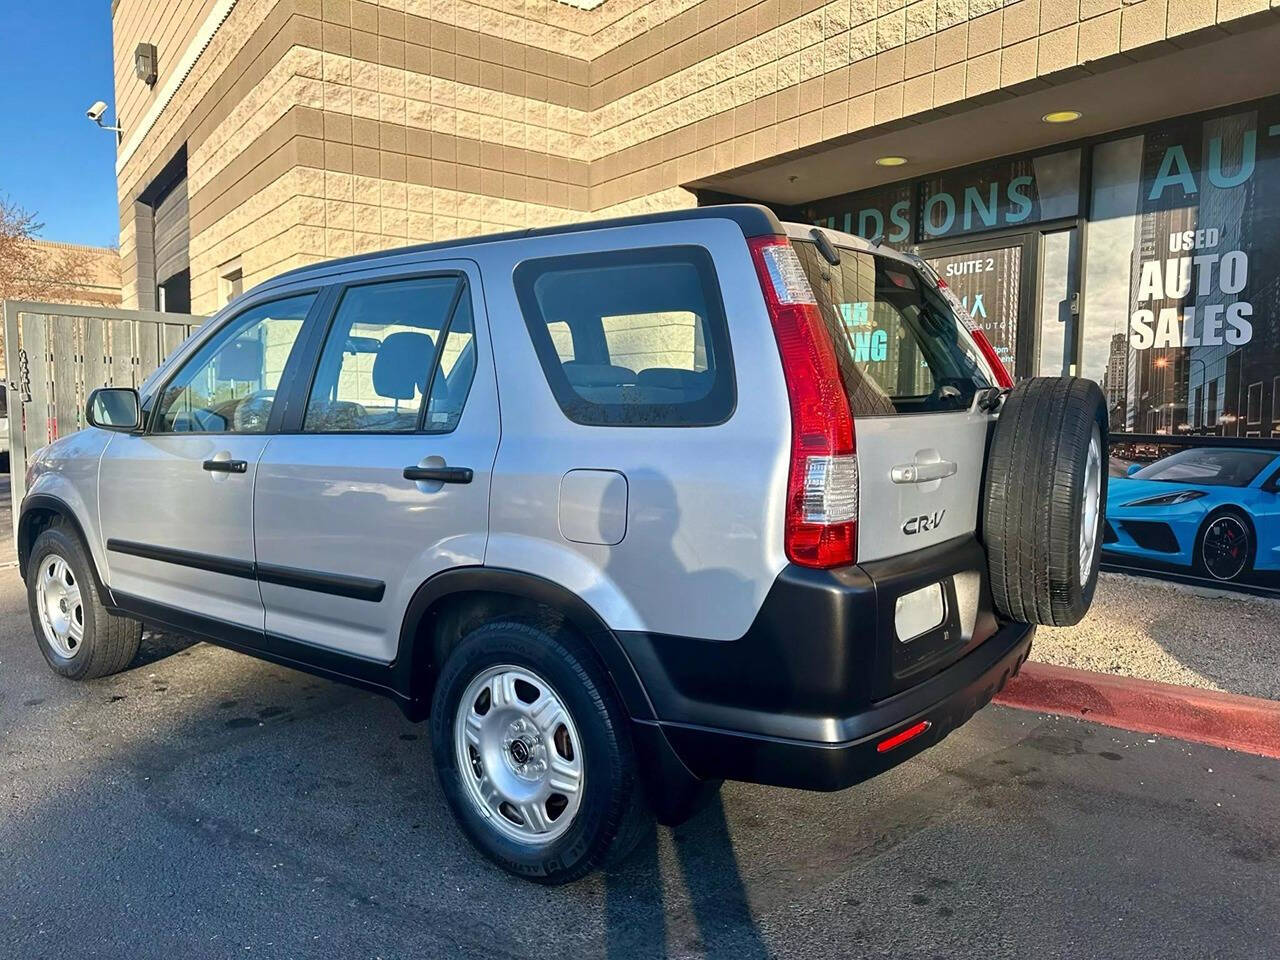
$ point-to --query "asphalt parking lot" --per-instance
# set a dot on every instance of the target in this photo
(203, 804)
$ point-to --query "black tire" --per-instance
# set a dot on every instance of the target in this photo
(612, 815)
(1226, 569)
(1033, 497)
(108, 643)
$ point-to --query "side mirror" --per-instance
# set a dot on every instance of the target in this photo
(114, 408)
(1133, 468)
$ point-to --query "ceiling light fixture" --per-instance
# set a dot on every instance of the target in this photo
(890, 161)
(1062, 116)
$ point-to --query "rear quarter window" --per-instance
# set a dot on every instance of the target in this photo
(631, 337)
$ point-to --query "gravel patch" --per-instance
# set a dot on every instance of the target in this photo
(1140, 627)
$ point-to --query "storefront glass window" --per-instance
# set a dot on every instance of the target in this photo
(1006, 193)
(1182, 276)
(994, 196)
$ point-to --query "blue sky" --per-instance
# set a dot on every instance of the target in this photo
(54, 162)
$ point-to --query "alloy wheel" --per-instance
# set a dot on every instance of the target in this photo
(1225, 548)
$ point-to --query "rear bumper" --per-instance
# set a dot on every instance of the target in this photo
(946, 701)
(821, 677)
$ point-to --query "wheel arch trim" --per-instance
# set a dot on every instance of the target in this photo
(415, 654)
(43, 501)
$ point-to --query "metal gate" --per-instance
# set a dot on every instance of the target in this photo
(56, 355)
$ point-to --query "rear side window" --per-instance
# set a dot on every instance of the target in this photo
(631, 337)
(900, 347)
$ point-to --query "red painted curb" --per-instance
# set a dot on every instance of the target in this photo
(1241, 723)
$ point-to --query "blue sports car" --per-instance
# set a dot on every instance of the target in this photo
(1215, 510)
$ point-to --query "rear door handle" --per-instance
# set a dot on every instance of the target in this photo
(922, 472)
(226, 466)
(439, 474)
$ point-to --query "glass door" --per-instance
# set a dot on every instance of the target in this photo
(991, 281)
(1057, 304)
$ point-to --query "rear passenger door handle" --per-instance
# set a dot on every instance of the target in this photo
(439, 474)
(226, 466)
(922, 472)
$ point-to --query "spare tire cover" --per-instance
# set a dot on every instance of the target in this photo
(1044, 496)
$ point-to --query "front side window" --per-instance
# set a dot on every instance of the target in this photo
(390, 345)
(631, 337)
(229, 384)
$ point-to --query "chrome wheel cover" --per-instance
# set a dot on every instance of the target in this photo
(519, 754)
(59, 606)
(1090, 505)
(1225, 548)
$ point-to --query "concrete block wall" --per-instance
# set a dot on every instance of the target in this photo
(319, 128)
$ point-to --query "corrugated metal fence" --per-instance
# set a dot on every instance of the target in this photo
(56, 355)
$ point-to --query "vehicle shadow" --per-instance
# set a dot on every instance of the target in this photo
(638, 904)
(158, 645)
(293, 814)
(639, 914)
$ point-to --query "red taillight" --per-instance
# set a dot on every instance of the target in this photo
(898, 739)
(822, 486)
(984, 345)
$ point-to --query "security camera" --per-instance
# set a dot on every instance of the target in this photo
(97, 112)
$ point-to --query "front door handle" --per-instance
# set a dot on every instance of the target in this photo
(226, 466)
(439, 474)
(922, 472)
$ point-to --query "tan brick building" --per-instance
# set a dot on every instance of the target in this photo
(280, 132)
(72, 273)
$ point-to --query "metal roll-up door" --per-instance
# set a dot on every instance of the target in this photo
(172, 233)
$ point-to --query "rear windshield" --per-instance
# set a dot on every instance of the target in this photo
(900, 346)
(1208, 468)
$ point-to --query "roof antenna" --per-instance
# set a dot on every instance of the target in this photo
(876, 240)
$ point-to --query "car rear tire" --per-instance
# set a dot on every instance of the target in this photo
(1044, 499)
(78, 637)
(1225, 546)
(533, 753)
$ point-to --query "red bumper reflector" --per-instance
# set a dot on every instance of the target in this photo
(898, 739)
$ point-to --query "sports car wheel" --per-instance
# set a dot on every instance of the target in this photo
(1225, 550)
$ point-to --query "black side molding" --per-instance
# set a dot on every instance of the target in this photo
(335, 584)
(185, 558)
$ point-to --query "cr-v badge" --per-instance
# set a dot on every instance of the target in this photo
(930, 521)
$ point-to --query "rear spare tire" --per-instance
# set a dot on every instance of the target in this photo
(1043, 500)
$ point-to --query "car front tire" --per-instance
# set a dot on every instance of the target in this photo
(80, 640)
(1225, 546)
(533, 753)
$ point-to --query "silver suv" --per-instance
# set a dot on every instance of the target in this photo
(652, 502)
